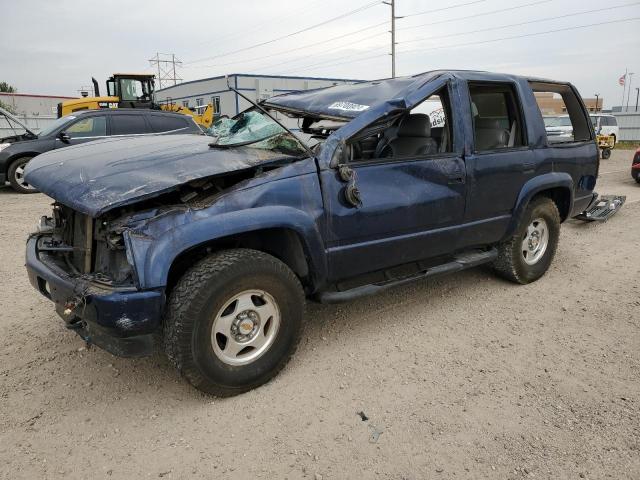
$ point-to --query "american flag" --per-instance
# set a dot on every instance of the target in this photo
(622, 79)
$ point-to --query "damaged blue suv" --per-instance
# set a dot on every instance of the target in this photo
(212, 243)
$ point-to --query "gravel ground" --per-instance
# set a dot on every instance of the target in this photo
(467, 376)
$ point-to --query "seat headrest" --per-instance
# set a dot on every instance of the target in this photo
(415, 125)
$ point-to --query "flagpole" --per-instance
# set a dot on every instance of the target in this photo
(624, 89)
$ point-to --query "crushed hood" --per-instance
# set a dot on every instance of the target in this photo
(96, 177)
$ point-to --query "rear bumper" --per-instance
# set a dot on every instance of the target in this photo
(119, 320)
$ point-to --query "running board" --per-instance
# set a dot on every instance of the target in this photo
(602, 209)
(461, 261)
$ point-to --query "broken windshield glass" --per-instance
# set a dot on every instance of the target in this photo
(256, 130)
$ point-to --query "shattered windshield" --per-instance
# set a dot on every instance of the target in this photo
(254, 129)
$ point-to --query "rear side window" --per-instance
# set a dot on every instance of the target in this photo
(497, 122)
(128, 125)
(160, 123)
(612, 122)
(554, 98)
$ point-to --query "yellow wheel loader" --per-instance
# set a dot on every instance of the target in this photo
(131, 90)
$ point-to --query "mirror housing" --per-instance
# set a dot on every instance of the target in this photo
(64, 137)
(341, 155)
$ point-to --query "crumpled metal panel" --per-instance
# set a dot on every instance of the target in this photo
(349, 101)
(99, 176)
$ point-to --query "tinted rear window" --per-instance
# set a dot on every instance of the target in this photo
(128, 125)
(161, 123)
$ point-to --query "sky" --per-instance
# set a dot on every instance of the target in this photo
(55, 47)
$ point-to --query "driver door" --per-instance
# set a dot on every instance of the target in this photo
(412, 194)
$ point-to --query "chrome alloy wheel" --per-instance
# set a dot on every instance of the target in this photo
(535, 241)
(245, 327)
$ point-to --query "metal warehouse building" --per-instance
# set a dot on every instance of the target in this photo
(215, 90)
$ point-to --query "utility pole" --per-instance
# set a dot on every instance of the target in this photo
(637, 95)
(629, 92)
(392, 4)
(596, 95)
(166, 63)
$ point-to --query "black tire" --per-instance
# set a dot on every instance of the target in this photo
(201, 294)
(606, 153)
(15, 174)
(511, 263)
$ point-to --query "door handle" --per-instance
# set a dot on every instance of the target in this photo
(455, 180)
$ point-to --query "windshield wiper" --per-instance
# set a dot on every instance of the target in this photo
(272, 117)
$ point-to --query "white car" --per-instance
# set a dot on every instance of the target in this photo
(606, 125)
(559, 129)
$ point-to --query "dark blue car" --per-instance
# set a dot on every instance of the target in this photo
(216, 241)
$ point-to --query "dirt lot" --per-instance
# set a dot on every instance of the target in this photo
(464, 377)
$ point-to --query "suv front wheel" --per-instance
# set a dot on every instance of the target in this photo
(233, 321)
(526, 256)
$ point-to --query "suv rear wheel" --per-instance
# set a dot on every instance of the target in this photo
(16, 176)
(233, 321)
(526, 256)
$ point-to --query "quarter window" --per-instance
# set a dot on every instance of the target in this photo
(497, 121)
(575, 125)
(88, 127)
(167, 124)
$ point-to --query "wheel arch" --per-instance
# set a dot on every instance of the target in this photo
(17, 156)
(558, 186)
(283, 243)
(287, 233)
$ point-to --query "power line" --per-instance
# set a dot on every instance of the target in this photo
(331, 60)
(307, 56)
(442, 9)
(476, 15)
(512, 37)
(282, 52)
(267, 42)
(479, 42)
(254, 26)
(520, 24)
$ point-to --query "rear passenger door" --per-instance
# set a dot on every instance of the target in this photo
(128, 124)
(500, 163)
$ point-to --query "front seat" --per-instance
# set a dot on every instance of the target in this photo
(412, 138)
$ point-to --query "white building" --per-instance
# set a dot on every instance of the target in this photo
(215, 90)
(35, 111)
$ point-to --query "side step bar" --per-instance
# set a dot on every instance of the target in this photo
(461, 261)
(603, 208)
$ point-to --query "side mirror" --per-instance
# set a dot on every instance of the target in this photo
(64, 137)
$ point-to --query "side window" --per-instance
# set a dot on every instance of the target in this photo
(88, 127)
(421, 132)
(128, 125)
(571, 127)
(497, 122)
(167, 123)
